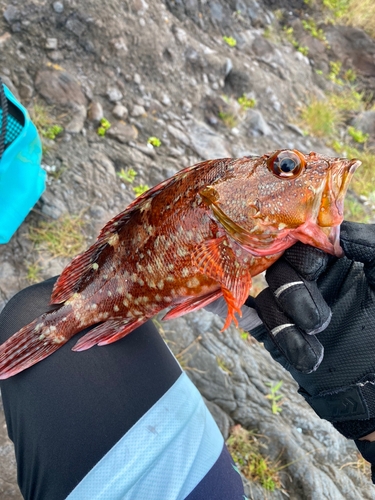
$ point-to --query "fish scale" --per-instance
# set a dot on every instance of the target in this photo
(195, 237)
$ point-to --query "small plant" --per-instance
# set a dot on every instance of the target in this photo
(229, 119)
(274, 397)
(62, 238)
(289, 33)
(41, 117)
(154, 141)
(52, 132)
(245, 449)
(361, 465)
(246, 103)
(128, 176)
(221, 363)
(321, 118)
(142, 188)
(358, 135)
(104, 126)
(350, 75)
(315, 32)
(335, 71)
(33, 272)
(230, 41)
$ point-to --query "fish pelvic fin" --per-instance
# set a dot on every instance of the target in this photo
(192, 304)
(216, 259)
(26, 348)
(108, 332)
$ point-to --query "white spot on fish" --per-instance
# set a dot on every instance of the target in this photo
(193, 283)
(170, 278)
(134, 277)
(93, 307)
(109, 294)
(113, 240)
(115, 308)
(161, 285)
(95, 266)
(185, 272)
(140, 281)
(158, 298)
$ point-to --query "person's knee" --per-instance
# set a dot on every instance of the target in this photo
(24, 307)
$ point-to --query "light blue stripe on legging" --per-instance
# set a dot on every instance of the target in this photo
(163, 456)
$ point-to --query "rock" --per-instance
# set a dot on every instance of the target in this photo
(59, 87)
(119, 44)
(52, 206)
(58, 7)
(12, 14)
(95, 113)
(51, 43)
(5, 38)
(6, 270)
(237, 82)
(120, 111)
(26, 91)
(122, 132)
(75, 26)
(137, 78)
(256, 123)
(8, 82)
(56, 55)
(138, 111)
(76, 125)
(206, 143)
(262, 47)
(166, 100)
(114, 94)
(179, 135)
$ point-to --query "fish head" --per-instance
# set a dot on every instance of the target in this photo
(268, 203)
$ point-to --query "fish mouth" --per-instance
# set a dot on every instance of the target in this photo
(326, 233)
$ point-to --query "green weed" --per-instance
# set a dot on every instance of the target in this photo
(61, 238)
(43, 121)
(52, 132)
(230, 120)
(104, 126)
(154, 141)
(230, 41)
(321, 118)
(318, 33)
(289, 34)
(358, 135)
(142, 188)
(274, 397)
(221, 363)
(245, 449)
(33, 272)
(246, 103)
(128, 176)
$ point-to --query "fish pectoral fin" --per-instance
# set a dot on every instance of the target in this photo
(216, 259)
(192, 304)
(108, 332)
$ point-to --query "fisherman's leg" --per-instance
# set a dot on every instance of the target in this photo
(69, 411)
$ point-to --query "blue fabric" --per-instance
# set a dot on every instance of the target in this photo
(22, 181)
(164, 456)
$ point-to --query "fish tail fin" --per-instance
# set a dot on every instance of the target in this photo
(25, 348)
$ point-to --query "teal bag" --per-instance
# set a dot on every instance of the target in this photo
(22, 180)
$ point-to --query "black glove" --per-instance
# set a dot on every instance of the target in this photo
(305, 285)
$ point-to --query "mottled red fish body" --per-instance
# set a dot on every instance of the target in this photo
(195, 237)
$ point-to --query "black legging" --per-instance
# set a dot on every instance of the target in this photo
(66, 412)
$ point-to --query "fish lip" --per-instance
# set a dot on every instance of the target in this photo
(345, 171)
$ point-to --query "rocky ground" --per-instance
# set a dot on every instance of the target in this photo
(160, 69)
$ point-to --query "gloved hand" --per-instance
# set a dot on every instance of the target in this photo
(335, 364)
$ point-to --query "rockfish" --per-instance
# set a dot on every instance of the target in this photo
(201, 234)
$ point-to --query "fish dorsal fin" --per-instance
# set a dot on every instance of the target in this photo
(82, 268)
(215, 258)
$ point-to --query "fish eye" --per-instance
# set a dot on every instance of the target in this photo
(286, 164)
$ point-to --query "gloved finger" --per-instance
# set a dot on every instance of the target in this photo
(304, 352)
(299, 298)
(308, 261)
(358, 243)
